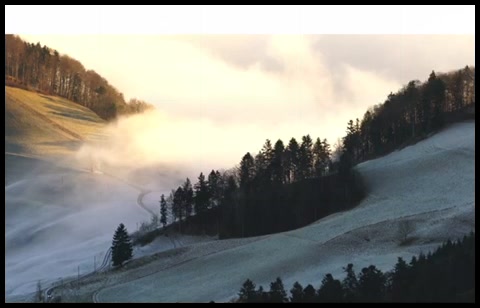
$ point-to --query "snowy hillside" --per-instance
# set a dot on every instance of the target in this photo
(71, 215)
(430, 184)
(56, 222)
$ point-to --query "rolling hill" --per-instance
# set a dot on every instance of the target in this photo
(429, 185)
(42, 131)
(38, 124)
(59, 217)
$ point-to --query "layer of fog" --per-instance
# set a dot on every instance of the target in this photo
(279, 86)
(307, 83)
(182, 145)
(59, 220)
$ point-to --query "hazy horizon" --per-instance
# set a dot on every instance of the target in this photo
(238, 90)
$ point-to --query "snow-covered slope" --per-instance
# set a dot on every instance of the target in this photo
(59, 221)
(430, 184)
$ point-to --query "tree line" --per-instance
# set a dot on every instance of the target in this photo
(288, 186)
(410, 114)
(280, 188)
(446, 275)
(35, 67)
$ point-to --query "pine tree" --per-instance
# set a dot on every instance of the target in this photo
(188, 197)
(292, 161)
(264, 159)
(246, 170)
(247, 292)
(277, 292)
(400, 281)
(330, 290)
(309, 294)
(201, 195)
(317, 151)
(163, 211)
(297, 293)
(325, 156)
(350, 284)
(305, 158)
(277, 162)
(122, 249)
(371, 284)
(213, 184)
(177, 205)
(436, 91)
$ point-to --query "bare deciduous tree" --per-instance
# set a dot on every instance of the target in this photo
(405, 228)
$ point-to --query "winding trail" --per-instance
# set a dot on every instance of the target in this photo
(141, 204)
(142, 193)
(48, 293)
(106, 259)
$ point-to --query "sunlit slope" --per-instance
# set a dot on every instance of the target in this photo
(431, 184)
(38, 124)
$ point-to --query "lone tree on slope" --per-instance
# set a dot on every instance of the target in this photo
(122, 249)
(405, 228)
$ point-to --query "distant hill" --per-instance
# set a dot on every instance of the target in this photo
(39, 68)
(37, 124)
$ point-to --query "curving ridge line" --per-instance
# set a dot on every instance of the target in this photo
(141, 204)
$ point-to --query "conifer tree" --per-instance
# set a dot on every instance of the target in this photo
(122, 249)
(163, 211)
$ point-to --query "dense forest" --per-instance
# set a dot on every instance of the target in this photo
(411, 114)
(33, 67)
(280, 188)
(284, 187)
(446, 275)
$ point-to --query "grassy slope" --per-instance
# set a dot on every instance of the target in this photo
(37, 124)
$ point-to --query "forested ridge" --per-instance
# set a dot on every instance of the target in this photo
(286, 186)
(39, 68)
(410, 114)
(280, 188)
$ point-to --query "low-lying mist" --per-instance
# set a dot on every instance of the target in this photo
(160, 145)
(58, 219)
(61, 213)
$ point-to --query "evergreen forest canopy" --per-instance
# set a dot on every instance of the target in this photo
(411, 114)
(33, 67)
(286, 186)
